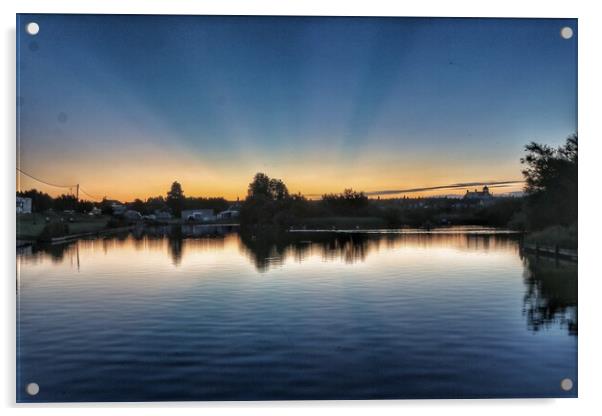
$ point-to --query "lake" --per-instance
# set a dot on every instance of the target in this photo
(210, 313)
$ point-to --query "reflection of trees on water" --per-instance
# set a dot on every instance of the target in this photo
(56, 253)
(268, 248)
(272, 248)
(551, 287)
(265, 247)
(186, 237)
(178, 239)
(551, 293)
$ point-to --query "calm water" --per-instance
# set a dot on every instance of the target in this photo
(201, 313)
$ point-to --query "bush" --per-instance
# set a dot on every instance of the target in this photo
(563, 237)
(518, 221)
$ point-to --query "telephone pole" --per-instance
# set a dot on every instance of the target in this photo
(77, 192)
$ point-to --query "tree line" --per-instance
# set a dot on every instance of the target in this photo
(550, 202)
(41, 202)
(269, 202)
(174, 202)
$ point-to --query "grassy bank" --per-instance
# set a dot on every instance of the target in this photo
(563, 237)
(46, 226)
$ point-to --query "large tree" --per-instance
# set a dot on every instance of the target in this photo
(265, 187)
(551, 184)
(269, 202)
(175, 198)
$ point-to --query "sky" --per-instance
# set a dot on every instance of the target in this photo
(125, 105)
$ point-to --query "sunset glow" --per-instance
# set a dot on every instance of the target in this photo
(321, 104)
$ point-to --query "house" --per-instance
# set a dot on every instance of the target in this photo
(201, 215)
(23, 205)
(228, 214)
(118, 209)
(132, 215)
(482, 197)
(162, 215)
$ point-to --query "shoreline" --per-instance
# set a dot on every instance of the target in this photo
(547, 250)
(551, 251)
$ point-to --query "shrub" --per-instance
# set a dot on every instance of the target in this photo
(563, 237)
(53, 230)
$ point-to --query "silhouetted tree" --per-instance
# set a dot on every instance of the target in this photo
(65, 202)
(551, 184)
(70, 202)
(269, 202)
(349, 202)
(270, 188)
(278, 189)
(85, 206)
(40, 201)
(156, 203)
(216, 204)
(260, 186)
(105, 207)
(175, 198)
(138, 205)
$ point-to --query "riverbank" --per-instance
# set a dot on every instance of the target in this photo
(556, 241)
(561, 236)
(70, 233)
(551, 251)
(45, 227)
(63, 227)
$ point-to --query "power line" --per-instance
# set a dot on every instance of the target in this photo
(47, 183)
(91, 196)
(70, 187)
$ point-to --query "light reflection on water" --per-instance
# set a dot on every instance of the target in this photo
(278, 315)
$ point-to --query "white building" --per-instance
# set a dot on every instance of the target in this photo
(132, 215)
(23, 205)
(228, 214)
(201, 215)
(483, 197)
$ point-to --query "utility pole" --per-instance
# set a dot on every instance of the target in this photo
(77, 193)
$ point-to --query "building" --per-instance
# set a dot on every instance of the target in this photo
(228, 214)
(481, 197)
(23, 205)
(201, 215)
(132, 215)
(118, 209)
(162, 215)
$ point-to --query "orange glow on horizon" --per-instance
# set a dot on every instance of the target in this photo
(122, 190)
(131, 173)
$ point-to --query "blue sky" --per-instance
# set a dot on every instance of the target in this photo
(127, 104)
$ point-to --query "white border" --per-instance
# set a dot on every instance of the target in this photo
(590, 288)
